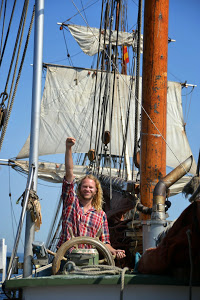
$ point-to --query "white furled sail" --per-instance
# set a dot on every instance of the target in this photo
(54, 172)
(67, 110)
(88, 38)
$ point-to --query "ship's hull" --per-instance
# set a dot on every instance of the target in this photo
(100, 287)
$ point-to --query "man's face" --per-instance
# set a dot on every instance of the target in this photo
(88, 189)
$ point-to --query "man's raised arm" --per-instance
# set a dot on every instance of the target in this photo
(70, 141)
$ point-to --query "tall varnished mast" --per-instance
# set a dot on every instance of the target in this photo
(154, 98)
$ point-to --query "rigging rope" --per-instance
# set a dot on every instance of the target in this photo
(81, 10)
(122, 129)
(1, 8)
(106, 96)
(100, 107)
(104, 104)
(137, 90)
(97, 270)
(51, 245)
(186, 117)
(3, 24)
(113, 92)
(11, 206)
(98, 58)
(18, 77)
(5, 43)
(103, 111)
(49, 237)
(140, 104)
(13, 217)
(68, 55)
(13, 56)
(127, 119)
(15, 49)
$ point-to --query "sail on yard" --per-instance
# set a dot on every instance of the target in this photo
(88, 38)
(67, 110)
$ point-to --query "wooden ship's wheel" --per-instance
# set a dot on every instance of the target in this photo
(77, 241)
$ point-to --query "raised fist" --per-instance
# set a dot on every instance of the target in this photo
(70, 141)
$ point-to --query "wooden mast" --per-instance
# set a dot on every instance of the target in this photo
(154, 98)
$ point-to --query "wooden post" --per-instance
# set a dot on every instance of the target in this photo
(154, 98)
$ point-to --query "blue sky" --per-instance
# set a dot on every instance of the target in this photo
(183, 64)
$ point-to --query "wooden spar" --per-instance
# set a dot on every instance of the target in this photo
(154, 98)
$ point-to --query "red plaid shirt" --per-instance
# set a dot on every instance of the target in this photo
(82, 224)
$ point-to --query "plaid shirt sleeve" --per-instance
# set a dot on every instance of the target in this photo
(105, 236)
(68, 196)
(68, 193)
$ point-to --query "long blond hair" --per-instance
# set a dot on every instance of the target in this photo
(97, 201)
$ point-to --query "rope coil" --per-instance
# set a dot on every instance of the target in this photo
(71, 268)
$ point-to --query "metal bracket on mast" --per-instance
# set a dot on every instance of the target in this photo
(171, 40)
(186, 85)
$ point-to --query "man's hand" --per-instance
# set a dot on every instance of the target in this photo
(117, 253)
(70, 141)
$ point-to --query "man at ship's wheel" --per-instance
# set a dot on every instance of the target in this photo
(83, 211)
